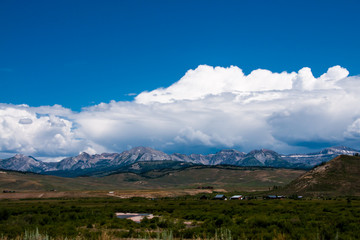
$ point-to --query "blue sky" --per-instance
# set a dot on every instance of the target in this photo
(78, 54)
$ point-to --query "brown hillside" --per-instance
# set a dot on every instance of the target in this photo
(220, 177)
(339, 176)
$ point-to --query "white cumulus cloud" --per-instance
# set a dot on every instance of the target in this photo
(208, 108)
(223, 107)
(206, 80)
(34, 131)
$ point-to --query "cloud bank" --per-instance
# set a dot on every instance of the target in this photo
(208, 108)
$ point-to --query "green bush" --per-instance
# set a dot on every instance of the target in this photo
(253, 219)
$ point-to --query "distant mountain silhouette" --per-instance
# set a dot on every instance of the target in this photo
(85, 164)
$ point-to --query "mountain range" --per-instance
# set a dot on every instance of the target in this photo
(133, 161)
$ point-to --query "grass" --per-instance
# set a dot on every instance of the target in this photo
(338, 177)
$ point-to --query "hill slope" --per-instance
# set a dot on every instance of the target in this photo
(339, 176)
(227, 177)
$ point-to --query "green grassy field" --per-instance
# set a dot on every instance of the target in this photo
(181, 218)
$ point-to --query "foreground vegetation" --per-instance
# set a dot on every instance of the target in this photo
(180, 218)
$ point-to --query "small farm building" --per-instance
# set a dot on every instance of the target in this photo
(220, 197)
(271, 197)
(237, 197)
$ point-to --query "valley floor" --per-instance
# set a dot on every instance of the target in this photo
(217, 177)
(147, 193)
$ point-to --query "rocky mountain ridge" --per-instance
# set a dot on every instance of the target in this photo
(86, 164)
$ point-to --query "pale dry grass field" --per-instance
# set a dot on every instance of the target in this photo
(151, 193)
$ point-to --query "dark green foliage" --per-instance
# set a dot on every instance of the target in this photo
(185, 217)
(4, 214)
